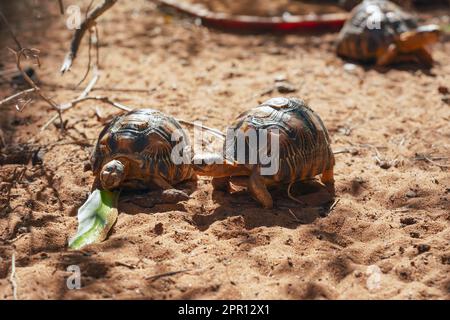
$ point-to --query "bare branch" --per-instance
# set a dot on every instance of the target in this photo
(17, 95)
(8, 26)
(12, 277)
(165, 274)
(34, 53)
(61, 6)
(215, 132)
(89, 61)
(87, 24)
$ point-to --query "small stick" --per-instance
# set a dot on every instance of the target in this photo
(291, 196)
(61, 6)
(17, 95)
(165, 274)
(90, 85)
(294, 216)
(214, 131)
(435, 163)
(75, 102)
(25, 52)
(123, 264)
(97, 47)
(84, 94)
(334, 205)
(89, 60)
(12, 277)
(8, 26)
(344, 150)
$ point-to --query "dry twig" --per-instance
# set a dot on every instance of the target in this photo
(61, 6)
(34, 53)
(8, 26)
(12, 277)
(291, 196)
(334, 205)
(428, 159)
(294, 216)
(166, 274)
(17, 95)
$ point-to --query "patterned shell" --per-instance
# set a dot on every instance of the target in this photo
(304, 143)
(372, 27)
(145, 138)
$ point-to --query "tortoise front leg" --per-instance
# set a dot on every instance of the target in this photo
(258, 189)
(388, 57)
(162, 183)
(327, 179)
(169, 194)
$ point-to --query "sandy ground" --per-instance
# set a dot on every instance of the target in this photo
(387, 238)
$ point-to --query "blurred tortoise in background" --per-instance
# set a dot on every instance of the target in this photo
(134, 151)
(350, 4)
(303, 150)
(380, 31)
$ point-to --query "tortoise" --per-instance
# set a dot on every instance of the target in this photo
(134, 151)
(303, 150)
(380, 31)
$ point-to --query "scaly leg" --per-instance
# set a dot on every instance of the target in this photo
(258, 189)
(388, 57)
(163, 184)
(169, 194)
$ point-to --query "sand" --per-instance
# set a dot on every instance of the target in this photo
(388, 237)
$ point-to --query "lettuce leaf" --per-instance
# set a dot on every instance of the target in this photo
(95, 218)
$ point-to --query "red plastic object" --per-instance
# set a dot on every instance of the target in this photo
(238, 23)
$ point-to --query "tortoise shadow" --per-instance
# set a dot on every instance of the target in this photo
(147, 201)
(403, 66)
(316, 203)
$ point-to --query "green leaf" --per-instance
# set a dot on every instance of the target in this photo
(95, 218)
(446, 28)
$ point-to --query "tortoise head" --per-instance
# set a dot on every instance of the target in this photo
(421, 37)
(113, 173)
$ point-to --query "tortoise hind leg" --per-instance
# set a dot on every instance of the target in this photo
(327, 179)
(258, 189)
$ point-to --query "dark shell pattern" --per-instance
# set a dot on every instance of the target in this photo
(304, 149)
(143, 136)
(372, 27)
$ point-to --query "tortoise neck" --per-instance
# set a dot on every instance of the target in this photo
(411, 41)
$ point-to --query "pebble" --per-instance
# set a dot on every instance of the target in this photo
(159, 229)
(408, 221)
(350, 67)
(285, 87)
(411, 194)
(443, 90)
(421, 248)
